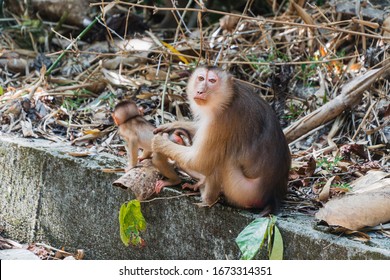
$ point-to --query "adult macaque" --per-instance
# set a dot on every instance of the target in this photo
(238, 144)
(138, 133)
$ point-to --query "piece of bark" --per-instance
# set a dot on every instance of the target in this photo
(351, 94)
(140, 180)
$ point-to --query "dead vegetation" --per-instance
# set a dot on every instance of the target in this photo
(325, 69)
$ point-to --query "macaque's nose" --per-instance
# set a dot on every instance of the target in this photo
(202, 90)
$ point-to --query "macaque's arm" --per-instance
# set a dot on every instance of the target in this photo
(182, 155)
(189, 126)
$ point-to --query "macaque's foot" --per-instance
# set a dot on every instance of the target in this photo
(205, 204)
(163, 128)
(160, 184)
(140, 159)
(194, 187)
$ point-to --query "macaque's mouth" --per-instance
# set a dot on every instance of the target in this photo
(200, 97)
(199, 100)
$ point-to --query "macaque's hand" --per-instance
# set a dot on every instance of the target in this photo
(159, 142)
(164, 128)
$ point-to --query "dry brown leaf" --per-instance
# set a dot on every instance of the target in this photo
(137, 44)
(366, 182)
(27, 129)
(151, 74)
(378, 186)
(146, 95)
(119, 80)
(324, 194)
(80, 254)
(79, 154)
(228, 23)
(357, 211)
(355, 67)
(95, 132)
(303, 14)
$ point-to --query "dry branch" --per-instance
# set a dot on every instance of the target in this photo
(351, 95)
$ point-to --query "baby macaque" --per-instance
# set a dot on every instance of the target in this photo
(238, 144)
(180, 137)
(138, 133)
(135, 130)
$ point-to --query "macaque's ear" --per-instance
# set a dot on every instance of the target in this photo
(116, 121)
(141, 110)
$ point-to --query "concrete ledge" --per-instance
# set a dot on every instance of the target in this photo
(49, 196)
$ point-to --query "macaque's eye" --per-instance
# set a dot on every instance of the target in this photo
(213, 81)
(200, 78)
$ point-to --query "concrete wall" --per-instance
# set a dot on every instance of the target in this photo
(48, 196)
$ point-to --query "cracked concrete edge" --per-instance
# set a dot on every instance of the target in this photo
(48, 196)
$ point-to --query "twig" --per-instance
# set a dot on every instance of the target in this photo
(286, 23)
(38, 84)
(332, 145)
(363, 121)
(182, 16)
(53, 248)
(170, 197)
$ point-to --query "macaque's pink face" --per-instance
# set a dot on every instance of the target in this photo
(206, 82)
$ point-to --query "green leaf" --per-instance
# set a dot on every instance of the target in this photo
(1, 90)
(122, 213)
(277, 246)
(270, 230)
(131, 223)
(252, 238)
